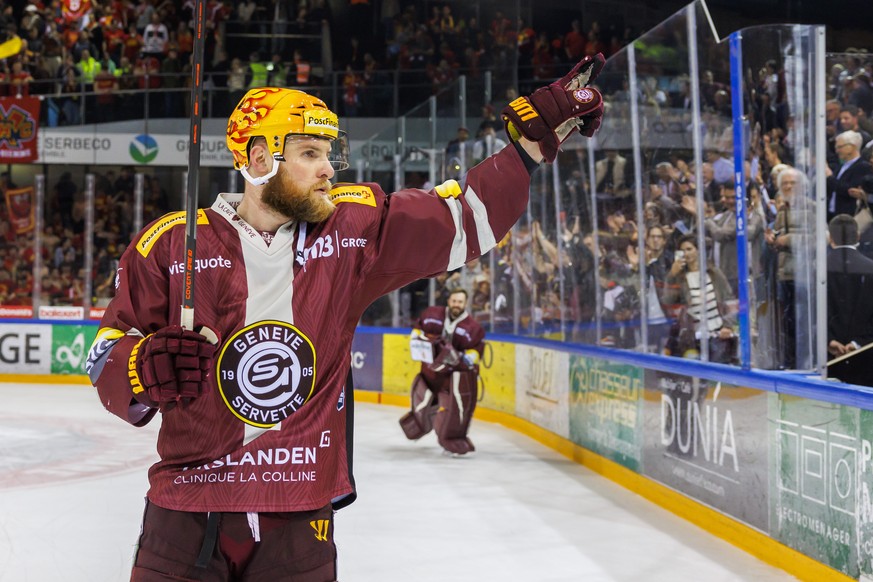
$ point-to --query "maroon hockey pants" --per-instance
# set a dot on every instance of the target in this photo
(293, 547)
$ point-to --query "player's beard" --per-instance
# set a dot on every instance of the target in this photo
(455, 312)
(297, 202)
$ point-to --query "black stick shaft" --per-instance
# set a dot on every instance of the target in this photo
(193, 164)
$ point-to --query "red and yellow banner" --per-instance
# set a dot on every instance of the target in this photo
(19, 122)
(75, 10)
(20, 202)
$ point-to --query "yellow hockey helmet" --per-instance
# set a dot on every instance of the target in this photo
(275, 113)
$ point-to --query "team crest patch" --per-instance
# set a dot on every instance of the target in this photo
(266, 372)
(583, 95)
(357, 194)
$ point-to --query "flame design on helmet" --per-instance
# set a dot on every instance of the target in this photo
(274, 113)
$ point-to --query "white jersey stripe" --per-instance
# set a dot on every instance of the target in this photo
(480, 218)
(458, 254)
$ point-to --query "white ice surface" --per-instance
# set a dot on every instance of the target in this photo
(73, 477)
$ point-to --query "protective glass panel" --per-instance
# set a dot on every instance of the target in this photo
(616, 211)
(573, 236)
(781, 107)
(648, 186)
(539, 261)
(421, 149)
(597, 224)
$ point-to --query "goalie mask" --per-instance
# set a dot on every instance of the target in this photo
(274, 114)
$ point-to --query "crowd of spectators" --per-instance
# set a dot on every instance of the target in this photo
(430, 53)
(115, 52)
(91, 60)
(589, 259)
(63, 276)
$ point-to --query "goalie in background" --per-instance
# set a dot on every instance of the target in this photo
(449, 343)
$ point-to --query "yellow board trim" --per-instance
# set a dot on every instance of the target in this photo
(746, 538)
(46, 379)
(357, 194)
(147, 241)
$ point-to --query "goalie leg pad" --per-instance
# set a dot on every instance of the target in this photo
(455, 413)
(419, 421)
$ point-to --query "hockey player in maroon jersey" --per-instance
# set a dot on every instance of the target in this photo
(443, 395)
(255, 437)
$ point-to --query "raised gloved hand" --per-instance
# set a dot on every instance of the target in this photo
(173, 365)
(551, 114)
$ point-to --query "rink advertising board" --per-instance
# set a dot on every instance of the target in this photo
(61, 147)
(70, 344)
(44, 348)
(497, 377)
(25, 349)
(606, 409)
(50, 312)
(707, 440)
(864, 510)
(367, 361)
(398, 367)
(820, 467)
(542, 387)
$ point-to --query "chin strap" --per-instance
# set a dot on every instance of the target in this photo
(263, 179)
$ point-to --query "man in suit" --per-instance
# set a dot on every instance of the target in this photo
(850, 285)
(844, 185)
(711, 188)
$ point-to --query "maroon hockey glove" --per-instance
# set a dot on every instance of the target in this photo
(173, 365)
(551, 114)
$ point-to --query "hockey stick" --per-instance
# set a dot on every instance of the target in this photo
(187, 318)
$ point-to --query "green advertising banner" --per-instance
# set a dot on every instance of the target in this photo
(605, 401)
(815, 482)
(70, 344)
(865, 494)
